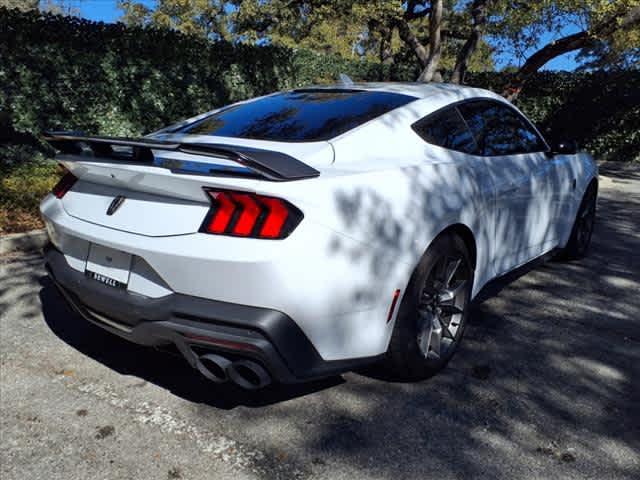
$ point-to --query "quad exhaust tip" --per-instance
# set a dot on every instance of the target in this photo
(246, 374)
(214, 367)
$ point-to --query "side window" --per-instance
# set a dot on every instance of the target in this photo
(446, 129)
(500, 130)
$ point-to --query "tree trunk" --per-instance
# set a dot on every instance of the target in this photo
(408, 37)
(479, 19)
(435, 42)
(386, 54)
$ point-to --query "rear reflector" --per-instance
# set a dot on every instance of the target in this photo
(64, 185)
(244, 214)
(220, 342)
(392, 308)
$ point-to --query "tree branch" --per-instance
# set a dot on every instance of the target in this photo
(411, 14)
(408, 37)
(568, 44)
(542, 56)
(457, 35)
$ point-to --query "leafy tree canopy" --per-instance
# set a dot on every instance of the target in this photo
(359, 27)
(58, 7)
(449, 35)
(609, 30)
(23, 5)
(206, 18)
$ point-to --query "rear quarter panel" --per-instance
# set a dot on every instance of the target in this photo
(385, 202)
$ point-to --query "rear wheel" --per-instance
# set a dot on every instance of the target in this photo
(580, 238)
(433, 312)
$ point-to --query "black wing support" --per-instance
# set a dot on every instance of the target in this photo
(268, 164)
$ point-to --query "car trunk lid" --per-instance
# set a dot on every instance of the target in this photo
(166, 197)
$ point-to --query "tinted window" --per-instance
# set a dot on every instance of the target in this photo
(499, 130)
(302, 115)
(447, 129)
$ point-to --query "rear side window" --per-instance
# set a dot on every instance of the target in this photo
(299, 116)
(499, 129)
(446, 129)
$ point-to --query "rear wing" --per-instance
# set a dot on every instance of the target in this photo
(267, 164)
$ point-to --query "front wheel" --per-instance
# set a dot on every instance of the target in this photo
(432, 316)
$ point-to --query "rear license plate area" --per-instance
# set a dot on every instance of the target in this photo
(108, 266)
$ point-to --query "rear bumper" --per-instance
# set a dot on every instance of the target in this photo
(267, 336)
(337, 291)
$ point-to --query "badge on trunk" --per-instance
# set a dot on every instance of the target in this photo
(115, 204)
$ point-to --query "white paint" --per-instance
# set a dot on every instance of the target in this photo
(382, 197)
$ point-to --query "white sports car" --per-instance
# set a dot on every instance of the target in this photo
(308, 232)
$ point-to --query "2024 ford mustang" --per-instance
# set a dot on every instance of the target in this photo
(308, 232)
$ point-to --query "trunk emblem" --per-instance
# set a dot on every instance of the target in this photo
(115, 204)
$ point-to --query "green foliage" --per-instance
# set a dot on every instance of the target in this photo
(21, 189)
(205, 18)
(600, 110)
(521, 28)
(67, 73)
(354, 28)
(20, 4)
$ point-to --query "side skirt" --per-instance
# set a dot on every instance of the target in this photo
(495, 286)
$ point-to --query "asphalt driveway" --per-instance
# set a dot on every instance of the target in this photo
(546, 385)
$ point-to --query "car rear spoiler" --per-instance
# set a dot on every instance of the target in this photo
(268, 164)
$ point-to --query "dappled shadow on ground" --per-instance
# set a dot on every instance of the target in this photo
(624, 171)
(545, 382)
(164, 368)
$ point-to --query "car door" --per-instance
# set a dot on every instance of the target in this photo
(565, 172)
(447, 129)
(524, 181)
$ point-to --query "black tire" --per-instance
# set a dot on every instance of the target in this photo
(580, 239)
(406, 358)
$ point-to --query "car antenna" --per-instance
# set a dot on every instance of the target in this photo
(345, 80)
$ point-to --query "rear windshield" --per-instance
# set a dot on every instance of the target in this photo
(299, 116)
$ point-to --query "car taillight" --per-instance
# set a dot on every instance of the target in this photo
(244, 214)
(64, 185)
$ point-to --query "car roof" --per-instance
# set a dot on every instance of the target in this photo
(414, 89)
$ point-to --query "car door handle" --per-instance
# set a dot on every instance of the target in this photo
(511, 189)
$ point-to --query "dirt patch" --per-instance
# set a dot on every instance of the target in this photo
(174, 473)
(19, 220)
(106, 431)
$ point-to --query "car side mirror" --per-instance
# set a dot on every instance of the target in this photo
(564, 147)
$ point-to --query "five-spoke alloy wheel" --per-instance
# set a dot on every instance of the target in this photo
(441, 308)
(433, 311)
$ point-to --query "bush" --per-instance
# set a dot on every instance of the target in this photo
(69, 73)
(600, 110)
(72, 74)
(21, 189)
